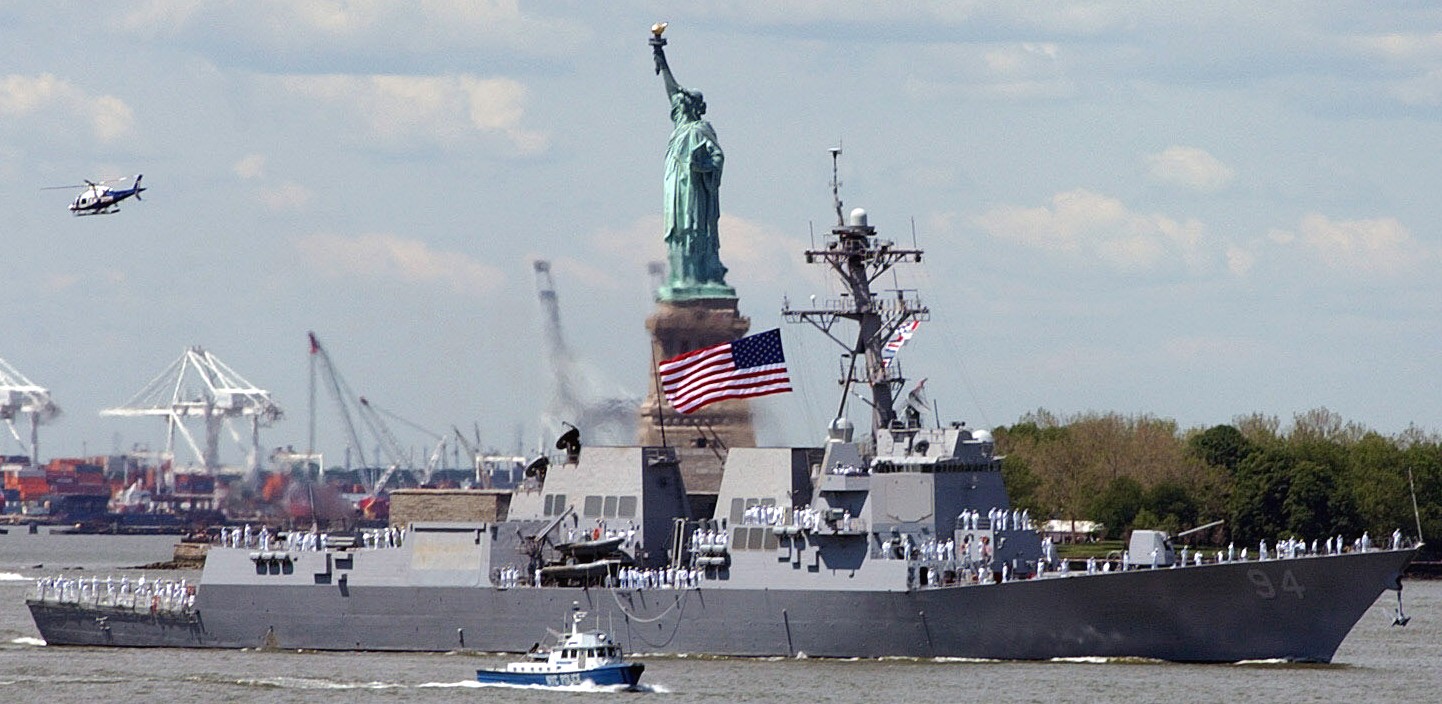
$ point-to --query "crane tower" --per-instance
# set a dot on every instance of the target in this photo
(199, 385)
(580, 393)
(19, 396)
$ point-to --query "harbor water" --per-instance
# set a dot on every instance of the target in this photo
(1377, 662)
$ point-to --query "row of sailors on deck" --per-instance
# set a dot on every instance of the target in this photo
(511, 576)
(668, 578)
(929, 550)
(158, 594)
(625, 578)
(382, 537)
(805, 517)
(245, 537)
(312, 540)
(707, 538)
(600, 531)
(996, 519)
(1286, 549)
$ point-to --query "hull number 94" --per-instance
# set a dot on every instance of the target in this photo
(1267, 589)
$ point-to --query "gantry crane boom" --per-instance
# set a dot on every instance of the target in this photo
(339, 391)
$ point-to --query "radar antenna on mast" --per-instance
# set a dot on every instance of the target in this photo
(859, 257)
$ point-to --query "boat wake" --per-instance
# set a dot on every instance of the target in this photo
(13, 577)
(313, 683)
(1285, 663)
(1103, 660)
(27, 640)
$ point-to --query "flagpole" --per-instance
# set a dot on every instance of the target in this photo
(660, 397)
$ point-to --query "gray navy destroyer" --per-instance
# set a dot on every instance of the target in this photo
(896, 541)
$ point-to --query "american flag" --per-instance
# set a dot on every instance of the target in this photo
(750, 366)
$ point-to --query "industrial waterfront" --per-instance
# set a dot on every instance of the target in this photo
(1377, 662)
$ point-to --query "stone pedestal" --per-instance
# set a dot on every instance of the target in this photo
(702, 437)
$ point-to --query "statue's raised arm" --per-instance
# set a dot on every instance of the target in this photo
(658, 52)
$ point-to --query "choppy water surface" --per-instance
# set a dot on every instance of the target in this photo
(1378, 662)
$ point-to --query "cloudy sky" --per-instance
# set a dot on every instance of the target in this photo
(1194, 210)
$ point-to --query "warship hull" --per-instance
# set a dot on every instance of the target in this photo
(1294, 609)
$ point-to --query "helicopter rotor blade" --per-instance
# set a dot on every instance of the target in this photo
(56, 188)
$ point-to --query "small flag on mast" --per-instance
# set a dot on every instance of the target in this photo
(748, 367)
(898, 338)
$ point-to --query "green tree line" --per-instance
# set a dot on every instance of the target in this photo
(1317, 477)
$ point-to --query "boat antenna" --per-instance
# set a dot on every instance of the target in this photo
(836, 184)
(1416, 515)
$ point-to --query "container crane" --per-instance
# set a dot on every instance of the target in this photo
(20, 396)
(199, 385)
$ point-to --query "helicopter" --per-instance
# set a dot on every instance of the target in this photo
(101, 199)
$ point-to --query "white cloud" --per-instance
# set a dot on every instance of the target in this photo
(250, 166)
(1402, 47)
(1084, 225)
(286, 195)
(318, 31)
(1415, 58)
(1190, 167)
(1006, 71)
(388, 257)
(432, 109)
(1380, 247)
(108, 117)
(1240, 260)
(1422, 89)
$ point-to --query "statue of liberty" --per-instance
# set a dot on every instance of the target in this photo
(693, 200)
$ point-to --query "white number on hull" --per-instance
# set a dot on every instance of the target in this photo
(1267, 590)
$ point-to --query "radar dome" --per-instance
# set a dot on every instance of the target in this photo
(858, 217)
(840, 430)
(982, 435)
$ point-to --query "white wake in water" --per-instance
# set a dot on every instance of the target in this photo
(310, 683)
(13, 577)
(26, 640)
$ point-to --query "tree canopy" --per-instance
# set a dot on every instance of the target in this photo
(1316, 477)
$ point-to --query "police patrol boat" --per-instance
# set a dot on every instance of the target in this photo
(578, 657)
(895, 540)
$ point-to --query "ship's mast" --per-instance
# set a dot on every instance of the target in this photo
(859, 257)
